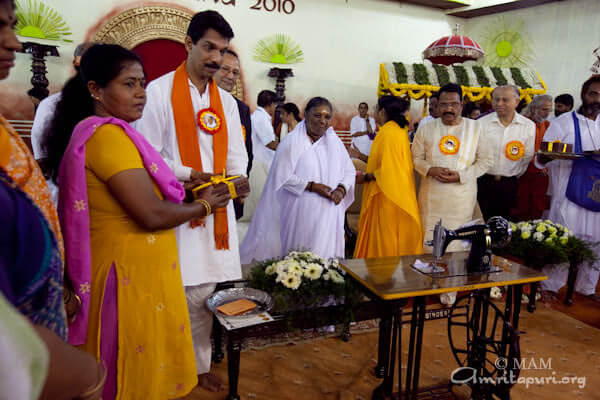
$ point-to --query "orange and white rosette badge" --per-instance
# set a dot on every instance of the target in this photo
(209, 121)
(515, 150)
(449, 145)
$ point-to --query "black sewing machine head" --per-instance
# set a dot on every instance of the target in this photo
(483, 237)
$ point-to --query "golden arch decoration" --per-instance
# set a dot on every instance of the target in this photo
(135, 26)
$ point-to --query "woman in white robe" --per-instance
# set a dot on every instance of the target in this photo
(309, 188)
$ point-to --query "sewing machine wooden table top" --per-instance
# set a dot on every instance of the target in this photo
(393, 278)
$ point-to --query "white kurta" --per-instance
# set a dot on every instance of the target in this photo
(262, 134)
(200, 261)
(41, 120)
(584, 223)
(453, 203)
(289, 217)
(359, 124)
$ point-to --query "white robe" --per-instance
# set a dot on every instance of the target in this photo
(584, 223)
(288, 217)
(41, 120)
(453, 203)
(362, 143)
(199, 259)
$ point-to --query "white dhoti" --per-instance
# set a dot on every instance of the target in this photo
(201, 320)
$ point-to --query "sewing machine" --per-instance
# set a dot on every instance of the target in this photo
(495, 233)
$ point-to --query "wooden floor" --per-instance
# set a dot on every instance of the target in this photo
(332, 369)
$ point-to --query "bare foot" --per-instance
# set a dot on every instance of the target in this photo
(210, 382)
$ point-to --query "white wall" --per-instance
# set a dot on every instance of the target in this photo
(564, 35)
(343, 43)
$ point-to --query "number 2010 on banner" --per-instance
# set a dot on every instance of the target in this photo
(285, 6)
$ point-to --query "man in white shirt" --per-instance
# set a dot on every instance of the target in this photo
(582, 222)
(264, 144)
(43, 117)
(511, 138)
(362, 129)
(203, 258)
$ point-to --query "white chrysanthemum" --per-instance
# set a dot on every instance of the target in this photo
(281, 276)
(549, 222)
(326, 276)
(549, 240)
(539, 236)
(295, 268)
(313, 271)
(495, 293)
(525, 235)
(335, 276)
(564, 240)
(292, 281)
(552, 229)
(513, 226)
(270, 270)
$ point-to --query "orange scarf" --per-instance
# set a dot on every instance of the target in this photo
(187, 139)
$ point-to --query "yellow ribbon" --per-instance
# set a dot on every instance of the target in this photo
(551, 146)
(215, 180)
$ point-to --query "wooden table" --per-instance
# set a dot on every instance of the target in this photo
(393, 281)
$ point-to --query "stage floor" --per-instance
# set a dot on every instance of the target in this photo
(331, 369)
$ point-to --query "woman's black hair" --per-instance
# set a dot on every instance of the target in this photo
(316, 102)
(293, 109)
(101, 63)
(394, 109)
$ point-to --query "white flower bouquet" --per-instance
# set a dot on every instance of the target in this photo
(541, 242)
(301, 280)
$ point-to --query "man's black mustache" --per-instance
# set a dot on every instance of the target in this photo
(215, 66)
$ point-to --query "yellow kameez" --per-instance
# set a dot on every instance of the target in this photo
(389, 222)
(155, 353)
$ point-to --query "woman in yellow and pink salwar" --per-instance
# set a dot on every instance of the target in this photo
(118, 204)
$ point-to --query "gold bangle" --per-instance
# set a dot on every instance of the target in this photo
(98, 386)
(206, 205)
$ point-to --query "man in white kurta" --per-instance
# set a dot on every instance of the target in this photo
(449, 155)
(264, 144)
(202, 264)
(291, 217)
(362, 129)
(582, 222)
(511, 138)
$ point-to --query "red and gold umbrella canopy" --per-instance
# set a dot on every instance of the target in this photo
(453, 49)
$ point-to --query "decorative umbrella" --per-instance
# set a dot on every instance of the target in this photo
(453, 49)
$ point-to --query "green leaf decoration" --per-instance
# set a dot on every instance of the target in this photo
(278, 49)
(482, 79)
(499, 76)
(461, 75)
(401, 74)
(518, 78)
(442, 74)
(421, 74)
(506, 44)
(36, 20)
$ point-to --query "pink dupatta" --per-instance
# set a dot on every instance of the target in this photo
(74, 211)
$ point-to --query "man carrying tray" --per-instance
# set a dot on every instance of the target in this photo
(575, 186)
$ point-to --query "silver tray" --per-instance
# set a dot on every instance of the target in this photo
(264, 301)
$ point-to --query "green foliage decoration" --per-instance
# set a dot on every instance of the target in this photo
(278, 49)
(36, 20)
(499, 76)
(442, 74)
(518, 78)
(461, 75)
(421, 74)
(401, 74)
(482, 79)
